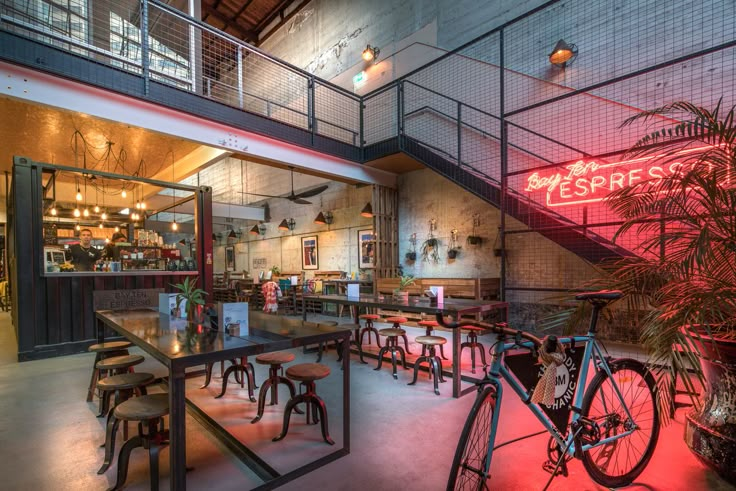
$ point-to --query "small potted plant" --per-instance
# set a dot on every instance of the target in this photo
(474, 239)
(454, 249)
(411, 256)
(193, 296)
(400, 292)
(430, 247)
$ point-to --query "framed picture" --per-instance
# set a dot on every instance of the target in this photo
(366, 249)
(310, 253)
(230, 258)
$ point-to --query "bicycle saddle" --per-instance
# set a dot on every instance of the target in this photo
(601, 295)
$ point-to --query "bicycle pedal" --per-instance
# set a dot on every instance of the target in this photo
(550, 467)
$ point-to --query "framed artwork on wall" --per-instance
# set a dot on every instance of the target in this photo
(230, 258)
(366, 249)
(310, 252)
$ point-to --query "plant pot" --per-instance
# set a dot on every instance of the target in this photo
(411, 256)
(474, 240)
(452, 253)
(401, 296)
(710, 431)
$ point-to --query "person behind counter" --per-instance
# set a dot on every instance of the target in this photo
(109, 251)
(83, 254)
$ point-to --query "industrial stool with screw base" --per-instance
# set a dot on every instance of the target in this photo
(369, 318)
(430, 326)
(275, 360)
(116, 365)
(356, 341)
(397, 325)
(123, 386)
(323, 346)
(473, 343)
(102, 351)
(147, 410)
(246, 372)
(392, 346)
(307, 373)
(434, 362)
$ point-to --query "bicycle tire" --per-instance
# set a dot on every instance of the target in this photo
(639, 391)
(472, 448)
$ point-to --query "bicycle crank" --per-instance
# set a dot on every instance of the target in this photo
(557, 460)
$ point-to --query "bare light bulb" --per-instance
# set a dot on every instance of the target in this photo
(117, 229)
(85, 212)
(137, 205)
(77, 213)
(103, 216)
(174, 226)
(143, 205)
(53, 211)
(97, 209)
(124, 194)
(107, 241)
(100, 224)
(79, 195)
(78, 228)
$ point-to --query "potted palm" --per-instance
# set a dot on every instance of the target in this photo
(192, 296)
(400, 292)
(685, 275)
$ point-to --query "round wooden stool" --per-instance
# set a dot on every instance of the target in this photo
(123, 385)
(115, 365)
(392, 346)
(430, 326)
(148, 411)
(473, 343)
(369, 318)
(307, 374)
(102, 351)
(397, 321)
(275, 360)
(433, 361)
(244, 372)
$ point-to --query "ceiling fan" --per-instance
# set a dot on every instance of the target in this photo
(296, 197)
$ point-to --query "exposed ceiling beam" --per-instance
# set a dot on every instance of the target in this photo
(276, 11)
(244, 34)
(283, 21)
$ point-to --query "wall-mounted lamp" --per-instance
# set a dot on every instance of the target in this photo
(367, 211)
(214, 237)
(232, 234)
(563, 53)
(324, 218)
(287, 224)
(370, 53)
(259, 229)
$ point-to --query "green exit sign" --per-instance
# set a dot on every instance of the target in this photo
(359, 78)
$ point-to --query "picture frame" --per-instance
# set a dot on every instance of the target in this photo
(230, 258)
(366, 249)
(310, 252)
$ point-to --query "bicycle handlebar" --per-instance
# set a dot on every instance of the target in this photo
(498, 328)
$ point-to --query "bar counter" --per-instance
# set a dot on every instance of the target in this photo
(130, 272)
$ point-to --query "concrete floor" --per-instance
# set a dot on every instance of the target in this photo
(402, 437)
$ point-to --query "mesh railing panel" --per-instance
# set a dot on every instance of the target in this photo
(336, 114)
(380, 118)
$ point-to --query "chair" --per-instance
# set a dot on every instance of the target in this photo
(148, 411)
(307, 374)
(102, 351)
(275, 360)
(392, 346)
(433, 361)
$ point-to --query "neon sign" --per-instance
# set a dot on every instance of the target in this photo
(590, 182)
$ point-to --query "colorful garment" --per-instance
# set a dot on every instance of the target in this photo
(271, 294)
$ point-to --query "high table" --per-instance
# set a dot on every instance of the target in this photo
(455, 307)
(178, 345)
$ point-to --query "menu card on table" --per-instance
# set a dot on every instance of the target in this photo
(233, 317)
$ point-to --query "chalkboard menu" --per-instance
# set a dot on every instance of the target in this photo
(50, 234)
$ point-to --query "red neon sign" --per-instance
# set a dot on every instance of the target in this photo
(590, 182)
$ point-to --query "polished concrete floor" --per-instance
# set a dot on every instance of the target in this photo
(403, 437)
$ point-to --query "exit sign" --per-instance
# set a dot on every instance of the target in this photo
(359, 79)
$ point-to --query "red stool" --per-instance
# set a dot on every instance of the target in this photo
(473, 343)
(430, 326)
(369, 318)
(397, 325)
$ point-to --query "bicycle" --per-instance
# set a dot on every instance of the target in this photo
(615, 420)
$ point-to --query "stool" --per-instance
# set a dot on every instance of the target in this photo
(433, 361)
(102, 351)
(148, 410)
(321, 346)
(397, 325)
(243, 372)
(430, 326)
(123, 386)
(275, 360)
(392, 345)
(208, 372)
(473, 343)
(307, 373)
(369, 318)
(356, 342)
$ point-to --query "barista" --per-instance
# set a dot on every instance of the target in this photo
(83, 254)
(110, 252)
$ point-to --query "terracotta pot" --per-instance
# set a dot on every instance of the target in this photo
(710, 431)
(401, 296)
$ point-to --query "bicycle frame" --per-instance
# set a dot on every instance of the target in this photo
(498, 370)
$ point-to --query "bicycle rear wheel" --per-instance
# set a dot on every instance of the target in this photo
(619, 462)
(469, 465)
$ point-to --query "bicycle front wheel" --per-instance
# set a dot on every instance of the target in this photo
(469, 467)
(619, 462)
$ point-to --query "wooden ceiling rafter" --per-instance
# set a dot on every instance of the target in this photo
(282, 22)
(243, 33)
